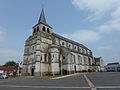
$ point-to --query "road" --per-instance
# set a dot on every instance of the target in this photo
(92, 81)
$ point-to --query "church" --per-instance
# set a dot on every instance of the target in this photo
(47, 52)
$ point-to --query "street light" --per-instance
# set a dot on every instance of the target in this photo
(41, 66)
(61, 66)
(18, 68)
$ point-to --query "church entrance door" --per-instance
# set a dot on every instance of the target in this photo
(32, 72)
(75, 68)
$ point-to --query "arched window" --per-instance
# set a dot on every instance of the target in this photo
(43, 29)
(45, 57)
(63, 43)
(34, 31)
(48, 30)
(69, 45)
(37, 29)
(79, 59)
(41, 58)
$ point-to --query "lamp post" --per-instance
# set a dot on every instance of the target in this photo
(18, 68)
(61, 66)
(41, 66)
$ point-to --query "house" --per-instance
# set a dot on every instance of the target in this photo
(98, 64)
(112, 67)
(10, 69)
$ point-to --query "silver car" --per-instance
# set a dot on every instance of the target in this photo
(3, 76)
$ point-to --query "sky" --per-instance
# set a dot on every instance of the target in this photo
(93, 23)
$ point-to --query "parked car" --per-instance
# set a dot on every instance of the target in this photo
(3, 76)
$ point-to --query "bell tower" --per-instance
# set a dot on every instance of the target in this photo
(42, 25)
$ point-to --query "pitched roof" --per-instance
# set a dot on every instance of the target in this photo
(9, 68)
(68, 40)
(42, 18)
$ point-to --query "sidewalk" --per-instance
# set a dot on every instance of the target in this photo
(69, 75)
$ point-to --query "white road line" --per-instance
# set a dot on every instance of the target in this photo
(90, 83)
(108, 87)
(17, 86)
(66, 76)
(60, 87)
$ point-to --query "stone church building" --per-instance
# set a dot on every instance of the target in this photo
(49, 53)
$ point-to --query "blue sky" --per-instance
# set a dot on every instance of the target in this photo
(94, 23)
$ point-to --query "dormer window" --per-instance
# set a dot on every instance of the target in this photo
(37, 29)
(43, 29)
(48, 30)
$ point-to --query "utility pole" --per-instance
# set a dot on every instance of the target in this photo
(18, 68)
(61, 67)
(40, 69)
(53, 70)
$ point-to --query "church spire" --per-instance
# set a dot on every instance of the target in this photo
(42, 18)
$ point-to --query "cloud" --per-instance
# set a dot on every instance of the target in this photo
(105, 47)
(83, 36)
(9, 53)
(100, 8)
(97, 8)
(2, 34)
(113, 24)
(116, 14)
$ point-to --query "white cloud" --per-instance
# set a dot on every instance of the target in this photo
(116, 14)
(10, 53)
(105, 47)
(84, 36)
(97, 8)
(113, 24)
(2, 34)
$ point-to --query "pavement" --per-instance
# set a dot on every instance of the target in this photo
(91, 81)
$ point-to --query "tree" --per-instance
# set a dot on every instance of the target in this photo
(10, 63)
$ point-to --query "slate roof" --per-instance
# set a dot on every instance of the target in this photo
(42, 18)
(70, 41)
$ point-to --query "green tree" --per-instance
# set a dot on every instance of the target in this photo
(10, 63)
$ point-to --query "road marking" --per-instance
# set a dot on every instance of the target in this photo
(17, 86)
(92, 86)
(108, 87)
(61, 87)
(66, 76)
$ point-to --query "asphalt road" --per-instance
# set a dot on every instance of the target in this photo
(92, 81)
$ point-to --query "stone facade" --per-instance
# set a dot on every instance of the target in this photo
(49, 53)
